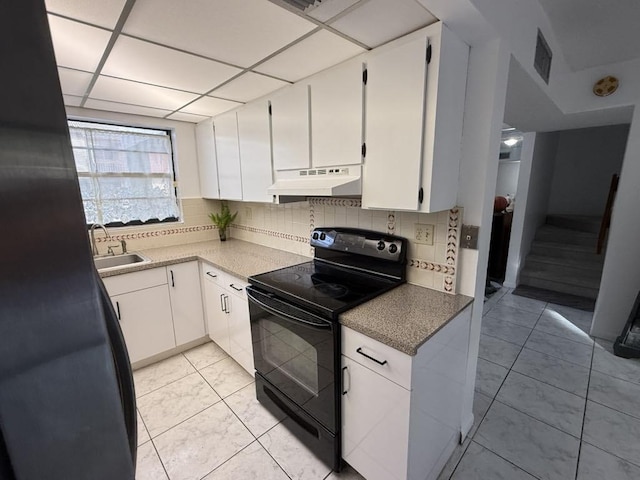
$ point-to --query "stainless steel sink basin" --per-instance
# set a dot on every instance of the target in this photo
(113, 261)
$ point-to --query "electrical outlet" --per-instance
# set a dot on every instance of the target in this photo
(423, 233)
(248, 213)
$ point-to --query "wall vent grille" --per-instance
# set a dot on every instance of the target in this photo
(542, 61)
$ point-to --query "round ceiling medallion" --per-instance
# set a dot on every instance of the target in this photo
(606, 86)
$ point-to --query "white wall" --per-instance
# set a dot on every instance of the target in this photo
(507, 183)
(185, 143)
(585, 161)
(621, 274)
(536, 168)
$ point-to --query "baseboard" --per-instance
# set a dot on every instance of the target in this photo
(169, 353)
(466, 427)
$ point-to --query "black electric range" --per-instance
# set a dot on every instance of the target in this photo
(296, 336)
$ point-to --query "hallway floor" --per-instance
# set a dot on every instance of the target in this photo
(550, 402)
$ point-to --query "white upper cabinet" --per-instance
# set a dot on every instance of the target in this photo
(255, 151)
(413, 123)
(337, 115)
(228, 153)
(290, 128)
(207, 163)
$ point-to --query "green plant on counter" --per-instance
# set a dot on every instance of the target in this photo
(222, 220)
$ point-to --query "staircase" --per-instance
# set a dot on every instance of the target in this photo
(563, 259)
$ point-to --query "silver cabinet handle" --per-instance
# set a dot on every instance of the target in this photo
(226, 306)
(237, 289)
(222, 303)
(359, 350)
(118, 310)
(345, 390)
(211, 274)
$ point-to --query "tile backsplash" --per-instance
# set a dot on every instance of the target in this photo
(287, 227)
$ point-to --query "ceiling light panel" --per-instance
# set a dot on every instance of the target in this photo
(380, 21)
(104, 13)
(186, 117)
(76, 45)
(248, 86)
(124, 108)
(74, 82)
(313, 54)
(145, 62)
(125, 91)
(210, 106)
(240, 32)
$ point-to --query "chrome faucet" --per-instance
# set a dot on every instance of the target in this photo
(94, 248)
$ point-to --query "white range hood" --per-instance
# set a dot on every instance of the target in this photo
(318, 182)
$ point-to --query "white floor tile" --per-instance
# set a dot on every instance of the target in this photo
(296, 460)
(606, 362)
(618, 394)
(254, 416)
(514, 315)
(481, 404)
(454, 459)
(596, 464)
(548, 404)
(205, 355)
(226, 377)
(556, 324)
(197, 446)
(523, 303)
(143, 435)
(580, 318)
(612, 431)
(160, 374)
(504, 330)
(251, 463)
(174, 403)
(531, 445)
(568, 350)
(498, 351)
(567, 376)
(148, 466)
(478, 463)
(489, 377)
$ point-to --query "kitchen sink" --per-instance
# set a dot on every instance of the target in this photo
(112, 261)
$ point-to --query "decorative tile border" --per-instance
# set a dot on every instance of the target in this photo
(435, 267)
(272, 233)
(391, 223)
(452, 236)
(335, 202)
(155, 233)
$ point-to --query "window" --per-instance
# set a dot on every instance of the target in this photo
(126, 173)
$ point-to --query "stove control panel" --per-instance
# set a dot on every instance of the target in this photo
(360, 242)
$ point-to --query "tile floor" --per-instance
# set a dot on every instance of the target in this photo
(551, 403)
(198, 419)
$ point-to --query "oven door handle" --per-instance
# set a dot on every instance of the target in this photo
(291, 318)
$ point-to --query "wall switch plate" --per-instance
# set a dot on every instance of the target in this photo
(469, 237)
(248, 213)
(423, 233)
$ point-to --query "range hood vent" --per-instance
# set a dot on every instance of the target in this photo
(318, 182)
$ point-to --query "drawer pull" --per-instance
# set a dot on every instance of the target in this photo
(359, 350)
(344, 389)
(237, 289)
(211, 275)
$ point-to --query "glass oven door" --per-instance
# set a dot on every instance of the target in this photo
(295, 351)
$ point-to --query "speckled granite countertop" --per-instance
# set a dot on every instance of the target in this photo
(236, 257)
(406, 317)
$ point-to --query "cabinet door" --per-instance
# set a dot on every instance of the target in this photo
(337, 115)
(145, 319)
(290, 127)
(217, 322)
(240, 332)
(186, 302)
(375, 423)
(394, 126)
(207, 160)
(255, 151)
(228, 153)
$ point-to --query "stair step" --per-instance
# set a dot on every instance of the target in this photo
(549, 233)
(563, 274)
(558, 286)
(588, 265)
(559, 250)
(582, 223)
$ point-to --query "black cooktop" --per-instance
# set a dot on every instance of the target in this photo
(325, 288)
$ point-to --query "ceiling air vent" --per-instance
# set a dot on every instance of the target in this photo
(321, 10)
(542, 62)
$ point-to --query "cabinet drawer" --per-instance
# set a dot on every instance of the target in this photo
(130, 282)
(387, 361)
(213, 274)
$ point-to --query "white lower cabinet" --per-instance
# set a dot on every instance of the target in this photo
(394, 430)
(186, 301)
(145, 319)
(227, 312)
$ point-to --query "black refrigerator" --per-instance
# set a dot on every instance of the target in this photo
(67, 402)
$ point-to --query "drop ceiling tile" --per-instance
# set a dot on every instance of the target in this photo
(240, 32)
(134, 59)
(72, 101)
(379, 21)
(76, 45)
(248, 86)
(210, 106)
(125, 108)
(125, 91)
(315, 53)
(186, 117)
(329, 9)
(74, 82)
(104, 13)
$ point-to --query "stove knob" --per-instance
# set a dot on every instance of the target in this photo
(315, 235)
(393, 248)
(323, 236)
(381, 245)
